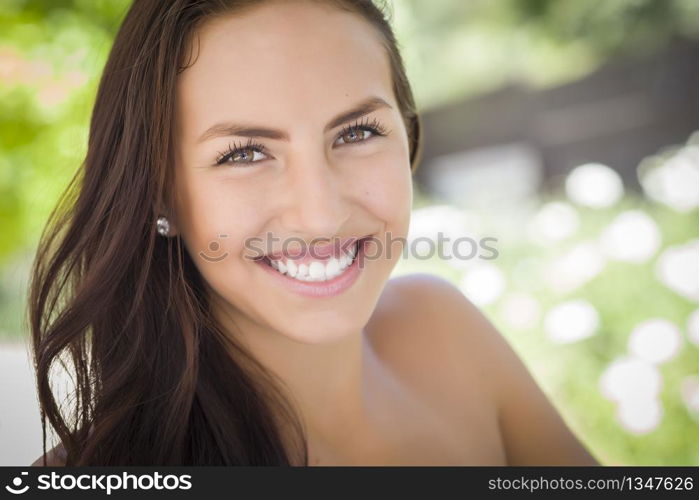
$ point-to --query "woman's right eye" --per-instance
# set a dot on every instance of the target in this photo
(234, 153)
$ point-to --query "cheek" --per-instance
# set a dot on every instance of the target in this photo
(386, 188)
(213, 221)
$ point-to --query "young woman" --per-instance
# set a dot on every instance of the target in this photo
(235, 149)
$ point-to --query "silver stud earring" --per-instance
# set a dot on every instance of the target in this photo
(163, 225)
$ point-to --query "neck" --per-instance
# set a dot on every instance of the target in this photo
(325, 381)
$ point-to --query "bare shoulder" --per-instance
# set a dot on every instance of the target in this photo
(56, 457)
(427, 328)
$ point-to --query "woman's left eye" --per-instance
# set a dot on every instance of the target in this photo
(351, 134)
(351, 131)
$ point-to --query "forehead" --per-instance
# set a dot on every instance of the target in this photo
(279, 60)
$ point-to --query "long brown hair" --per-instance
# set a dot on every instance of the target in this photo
(123, 310)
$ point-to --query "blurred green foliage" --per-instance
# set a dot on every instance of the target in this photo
(469, 46)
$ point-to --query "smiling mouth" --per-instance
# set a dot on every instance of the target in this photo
(306, 268)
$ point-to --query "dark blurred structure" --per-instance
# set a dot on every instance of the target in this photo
(529, 140)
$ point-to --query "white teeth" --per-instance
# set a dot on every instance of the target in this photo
(303, 271)
(292, 270)
(316, 270)
(332, 268)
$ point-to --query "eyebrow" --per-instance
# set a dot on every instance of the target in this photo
(224, 129)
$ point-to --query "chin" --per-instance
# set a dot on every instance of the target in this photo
(321, 332)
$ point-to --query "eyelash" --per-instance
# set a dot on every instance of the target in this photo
(374, 126)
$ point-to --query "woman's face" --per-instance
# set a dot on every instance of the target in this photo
(291, 67)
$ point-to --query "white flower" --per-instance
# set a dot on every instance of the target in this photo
(630, 378)
(673, 181)
(483, 283)
(571, 321)
(632, 236)
(678, 269)
(575, 268)
(639, 415)
(553, 222)
(634, 385)
(655, 340)
(594, 185)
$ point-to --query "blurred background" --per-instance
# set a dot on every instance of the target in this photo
(563, 130)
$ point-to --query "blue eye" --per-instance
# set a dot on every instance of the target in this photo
(249, 150)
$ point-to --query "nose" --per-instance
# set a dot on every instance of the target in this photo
(316, 204)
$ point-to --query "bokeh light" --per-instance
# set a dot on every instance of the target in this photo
(575, 267)
(632, 236)
(571, 321)
(483, 283)
(630, 378)
(594, 185)
(678, 269)
(655, 340)
(553, 222)
(673, 181)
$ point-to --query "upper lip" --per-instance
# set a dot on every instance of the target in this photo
(335, 247)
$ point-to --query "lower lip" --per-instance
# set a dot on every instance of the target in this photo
(322, 289)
